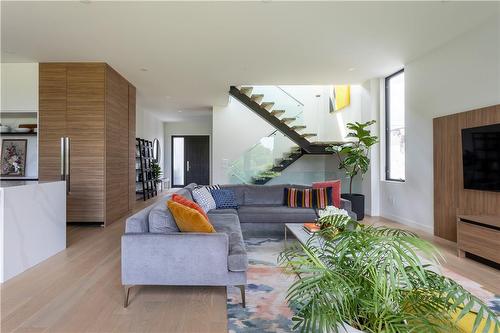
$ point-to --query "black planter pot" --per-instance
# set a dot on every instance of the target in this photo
(357, 202)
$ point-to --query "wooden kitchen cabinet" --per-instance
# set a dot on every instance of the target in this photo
(89, 103)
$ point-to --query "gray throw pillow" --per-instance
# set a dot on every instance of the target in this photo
(161, 220)
(203, 198)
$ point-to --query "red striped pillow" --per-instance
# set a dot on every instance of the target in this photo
(308, 198)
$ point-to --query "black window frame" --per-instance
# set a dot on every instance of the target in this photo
(387, 129)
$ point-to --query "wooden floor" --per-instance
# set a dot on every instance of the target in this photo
(79, 290)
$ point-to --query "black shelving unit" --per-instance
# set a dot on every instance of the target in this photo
(145, 183)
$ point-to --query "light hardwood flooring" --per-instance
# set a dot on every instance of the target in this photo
(79, 290)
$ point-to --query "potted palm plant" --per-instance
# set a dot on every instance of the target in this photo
(372, 279)
(353, 158)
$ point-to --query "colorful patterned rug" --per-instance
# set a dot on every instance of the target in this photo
(266, 308)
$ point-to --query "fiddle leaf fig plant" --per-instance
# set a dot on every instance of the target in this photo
(353, 155)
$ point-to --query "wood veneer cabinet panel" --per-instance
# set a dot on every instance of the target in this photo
(131, 144)
(479, 240)
(51, 118)
(117, 146)
(89, 103)
(450, 197)
(85, 128)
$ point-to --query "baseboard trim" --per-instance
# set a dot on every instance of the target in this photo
(408, 222)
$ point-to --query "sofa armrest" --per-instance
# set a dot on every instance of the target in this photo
(174, 259)
(345, 204)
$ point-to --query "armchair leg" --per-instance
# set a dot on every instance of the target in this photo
(127, 292)
(242, 289)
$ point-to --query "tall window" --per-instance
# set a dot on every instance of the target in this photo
(395, 126)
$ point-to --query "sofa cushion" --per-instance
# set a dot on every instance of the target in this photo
(239, 192)
(160, 219)
(308, 198)
(190, 187)
(189, 219)
(188, 203)
(229, 224)
(336, 186)
(222, 211)
(264, 194)
(275, 214)
(203, 198)
(224, 198)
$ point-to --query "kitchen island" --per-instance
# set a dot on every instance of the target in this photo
(32, 224)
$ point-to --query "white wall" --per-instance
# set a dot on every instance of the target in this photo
(19, 105)
(235, 129)
(461, 75)
(193, 126)
(19, 87)
(150, 127)
(370, 110)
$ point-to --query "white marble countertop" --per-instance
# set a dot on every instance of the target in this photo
(4, 183)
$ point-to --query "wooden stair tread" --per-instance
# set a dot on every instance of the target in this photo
(246, 90)
(257, 98)
(308, 135)
(277, 112)
(287, 120)
(267, 105)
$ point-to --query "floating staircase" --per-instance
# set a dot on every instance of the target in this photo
(285, 123)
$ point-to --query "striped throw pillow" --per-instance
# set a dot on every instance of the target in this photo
(308, 198)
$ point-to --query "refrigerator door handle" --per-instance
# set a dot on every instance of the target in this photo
(67, 166)
(63, 156)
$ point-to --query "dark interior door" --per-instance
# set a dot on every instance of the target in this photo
(195, 160)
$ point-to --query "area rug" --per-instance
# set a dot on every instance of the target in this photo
(266, 308)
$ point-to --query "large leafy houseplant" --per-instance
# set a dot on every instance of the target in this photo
(353, 155)
(373, 279)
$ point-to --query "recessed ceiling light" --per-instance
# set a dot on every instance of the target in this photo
(351, 69)
(144, 69)
(179, 110)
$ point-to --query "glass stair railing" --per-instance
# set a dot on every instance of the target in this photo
(264, 160)
(282, 105)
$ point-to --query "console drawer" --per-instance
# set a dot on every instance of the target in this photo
(479, 240)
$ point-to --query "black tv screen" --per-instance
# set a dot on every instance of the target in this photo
(481, 157)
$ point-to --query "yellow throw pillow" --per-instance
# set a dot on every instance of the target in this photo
(189, 219)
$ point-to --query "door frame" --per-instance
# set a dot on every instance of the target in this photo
(172, 156)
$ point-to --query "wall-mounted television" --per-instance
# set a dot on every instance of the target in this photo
(481, 157)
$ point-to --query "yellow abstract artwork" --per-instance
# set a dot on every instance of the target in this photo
(340, 97)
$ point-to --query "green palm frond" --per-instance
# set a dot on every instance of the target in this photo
(373, 278)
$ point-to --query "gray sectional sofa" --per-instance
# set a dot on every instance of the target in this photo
(155, 252)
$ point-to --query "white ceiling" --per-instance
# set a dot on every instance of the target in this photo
(193, 51)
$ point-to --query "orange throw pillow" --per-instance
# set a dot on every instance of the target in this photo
(191, 204)
(189, 219)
